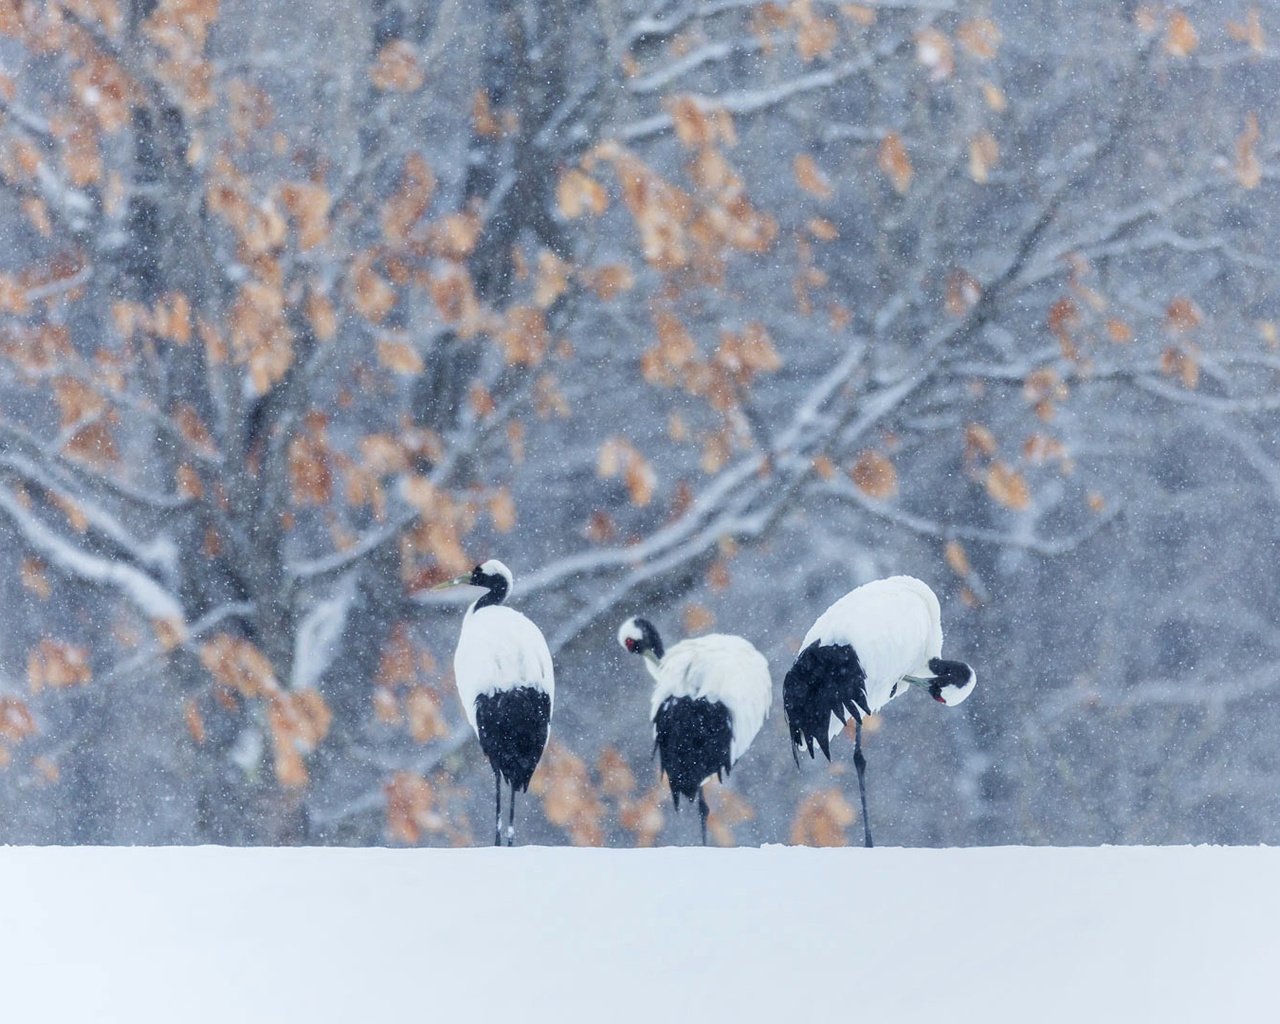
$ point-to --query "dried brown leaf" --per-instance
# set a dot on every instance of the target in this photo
(893, 160)
(821, 819)
(874, 474)
(398, 68)
(957, 558)
(1180, 39)
(1007, 486)
(1248, 168)
(810, 177)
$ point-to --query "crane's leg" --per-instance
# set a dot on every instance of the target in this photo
(511, 817)
(860, 762)
(703, 811)
(497, 808)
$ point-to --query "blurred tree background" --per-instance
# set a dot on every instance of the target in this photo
(707, 311)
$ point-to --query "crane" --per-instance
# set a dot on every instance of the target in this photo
(502, 666)
(876, 642)
(711, 695)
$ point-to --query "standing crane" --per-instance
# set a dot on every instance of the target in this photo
(503, 670)
(871, 645)
(711, 695)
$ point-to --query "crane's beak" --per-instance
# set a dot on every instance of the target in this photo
(457, 581)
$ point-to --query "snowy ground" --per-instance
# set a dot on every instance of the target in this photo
(527, 935)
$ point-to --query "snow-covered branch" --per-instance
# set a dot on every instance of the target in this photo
(142, 589)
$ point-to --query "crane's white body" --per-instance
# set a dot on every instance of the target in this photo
(722, 668)
(894, 625)
(500, 649)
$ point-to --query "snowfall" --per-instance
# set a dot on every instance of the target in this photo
(535, 934)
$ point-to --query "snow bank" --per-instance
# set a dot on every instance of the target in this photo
(885, 935)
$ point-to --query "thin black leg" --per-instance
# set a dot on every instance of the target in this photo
(703, 811)
(860, 762)
(497, 809)
(511, 818)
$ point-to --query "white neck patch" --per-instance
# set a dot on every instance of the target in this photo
(629, 630)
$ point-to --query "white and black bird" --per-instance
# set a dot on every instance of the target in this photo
(711, 695)
(503, 669)
(871, 645)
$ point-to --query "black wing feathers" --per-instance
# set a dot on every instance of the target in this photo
(826, 680)
(513, 726)
(693, 738)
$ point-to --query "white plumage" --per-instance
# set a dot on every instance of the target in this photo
(894, 624)
(499, 648)
(502, 667)
(721, 668)
(711, 695)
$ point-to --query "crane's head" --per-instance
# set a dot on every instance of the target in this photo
(637, 636)
(492, 575)
(952, 681)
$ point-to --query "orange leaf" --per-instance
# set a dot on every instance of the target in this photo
(875, 475)
(641, 481)
(821, 819)
(552, 279)
(322, 316)
(816, 37)
(1119, 331)
(822, 229)
(1250, 32)
(957, 558)
(578, 193)
(978, 440)
(502, 511)
(425, 713)
(935, 52)
(984, 154)
(523, 336)
(1180, 38)
(16, 720)
(859, 14)
(1248, 168)
(52, 663)
(1183, 363)
(397, 68)
(810, 177)
(35, 579)
(371, 293)
(610, 280)
(568, 798)
(239, 665)
(399, 356)
(697, 618)
(308, 205)
(411, 200)
(410, 808)
(892, 159)
(980, 37)
(194, 720)
(1183, 315)
(616, 777)
(1007, 486)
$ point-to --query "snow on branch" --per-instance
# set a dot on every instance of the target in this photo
(147, 595)
(319, 634)
(754, 101)
(845, 490)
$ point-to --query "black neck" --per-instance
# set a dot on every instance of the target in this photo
(496, 594)
(651, 638)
